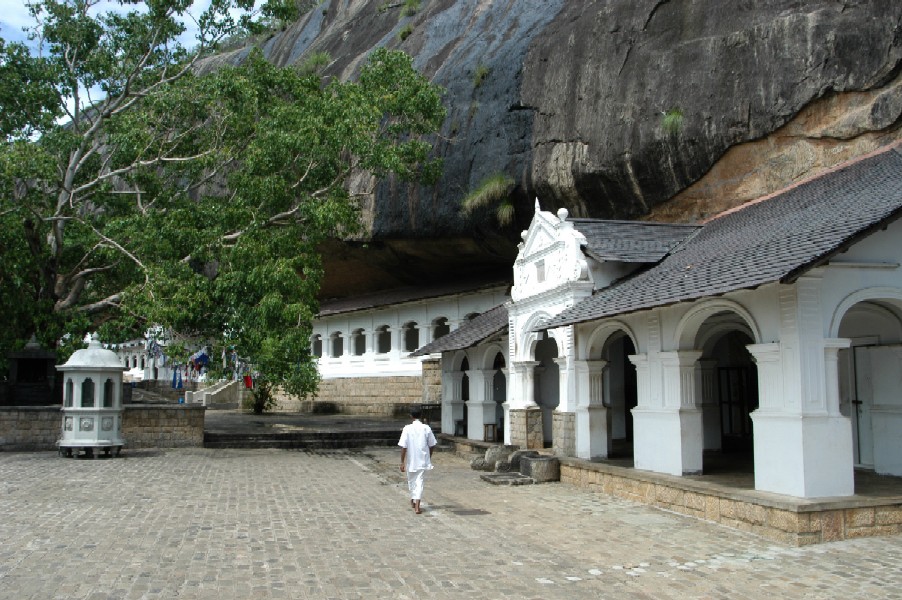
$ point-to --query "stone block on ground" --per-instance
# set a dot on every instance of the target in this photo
(517, 455)
(541, 468)
(496, 454)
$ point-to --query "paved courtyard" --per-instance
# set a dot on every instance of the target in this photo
(226, 524)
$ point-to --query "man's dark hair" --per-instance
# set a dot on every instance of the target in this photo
(415, 412)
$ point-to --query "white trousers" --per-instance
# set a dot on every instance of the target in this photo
(415, 482)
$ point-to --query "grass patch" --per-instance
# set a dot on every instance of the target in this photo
(493, 190)
(480, 75)
(405, 32)
(315, 63)
(672, 121)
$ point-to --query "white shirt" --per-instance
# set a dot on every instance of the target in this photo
(417, 438)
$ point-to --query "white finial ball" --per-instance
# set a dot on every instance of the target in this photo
(562, 214)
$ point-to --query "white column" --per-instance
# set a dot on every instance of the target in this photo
(803, 446)
(481, 407)
(448, 398)
(668, 427)
(369, 347)
(593, 426)
(456, 402)
(526, 374)
(397, 341)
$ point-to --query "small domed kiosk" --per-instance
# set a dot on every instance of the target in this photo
(92, 402)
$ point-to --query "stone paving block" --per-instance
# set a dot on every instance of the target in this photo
(236, 524)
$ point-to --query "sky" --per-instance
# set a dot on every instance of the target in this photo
(14, 16)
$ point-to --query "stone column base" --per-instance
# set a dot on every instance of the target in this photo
(804, 456)
(526, 428)
(563, 433)
(668, 440)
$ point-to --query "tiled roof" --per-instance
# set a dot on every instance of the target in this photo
(406, 294)
(470, 333)
(774, 239)
(631, 241)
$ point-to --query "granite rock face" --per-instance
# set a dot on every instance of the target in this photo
(612, 108)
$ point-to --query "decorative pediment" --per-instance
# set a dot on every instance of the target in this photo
(550, 255)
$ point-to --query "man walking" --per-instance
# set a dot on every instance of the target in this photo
(417, 442)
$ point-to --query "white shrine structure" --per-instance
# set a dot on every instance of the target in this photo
(770, 333)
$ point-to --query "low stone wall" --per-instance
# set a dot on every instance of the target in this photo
(378, 396)
(30, 427)
(33, 428)
(163, 426)
(796, 523)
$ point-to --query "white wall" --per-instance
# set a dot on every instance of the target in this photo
(396, 362)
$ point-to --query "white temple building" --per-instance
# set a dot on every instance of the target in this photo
(770, 333)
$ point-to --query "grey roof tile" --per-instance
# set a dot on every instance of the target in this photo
(631, 241)
(773, 239)
(406, 294)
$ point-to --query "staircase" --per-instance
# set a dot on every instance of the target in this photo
(301, 440)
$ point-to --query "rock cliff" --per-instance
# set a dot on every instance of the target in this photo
(662, 109)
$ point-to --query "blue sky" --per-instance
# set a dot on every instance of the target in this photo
(14, 16)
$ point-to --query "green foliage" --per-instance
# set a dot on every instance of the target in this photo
(405, 32)
(480, 75)
(492, 191)
(672, 121)
(261, 399)
(410, 8)
(196, 202)
(315, 63)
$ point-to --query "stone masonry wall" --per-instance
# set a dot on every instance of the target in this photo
(563, 432)
(785, 522)
(34, 428)
(29, 427)
(165, 426)
(526, 428)
(382, 396)
(432, 381)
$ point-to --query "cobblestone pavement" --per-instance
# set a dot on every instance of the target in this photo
(226, 524)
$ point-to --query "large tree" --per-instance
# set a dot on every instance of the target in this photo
(144, 183)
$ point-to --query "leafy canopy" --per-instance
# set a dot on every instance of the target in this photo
(143, 184)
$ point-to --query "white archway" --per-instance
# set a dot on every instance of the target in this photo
(686, 333)
(863, 295)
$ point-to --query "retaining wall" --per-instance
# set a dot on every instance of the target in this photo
(33, 428)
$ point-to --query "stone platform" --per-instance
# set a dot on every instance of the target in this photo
(727, 496)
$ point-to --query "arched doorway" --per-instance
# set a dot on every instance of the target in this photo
(547, 384)
(620, 391)
(728, 394)
(499, 393)
(868, 374)
(464, 395)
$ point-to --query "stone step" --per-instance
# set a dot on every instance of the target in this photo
(309, 439)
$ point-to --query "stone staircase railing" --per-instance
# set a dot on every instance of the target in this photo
(222, 394)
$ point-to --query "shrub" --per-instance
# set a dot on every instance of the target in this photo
(405, 32)
(672, 121)
(480, 75)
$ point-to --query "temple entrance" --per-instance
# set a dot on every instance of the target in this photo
(499, 394)
(547, 384)
(869, 383)
(620, 392)
(728, 393)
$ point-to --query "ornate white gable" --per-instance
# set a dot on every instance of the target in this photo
(549, 256)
